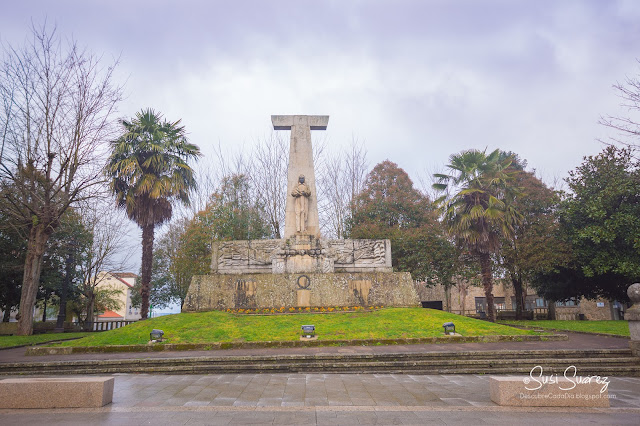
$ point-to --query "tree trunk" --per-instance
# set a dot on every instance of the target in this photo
(88, 322)
(487, 283)
(147, 259)
(44, 309)
(38, 236)
(551, 309)
(62, 313)
(463, 293)
(447, 298)
(517, 287)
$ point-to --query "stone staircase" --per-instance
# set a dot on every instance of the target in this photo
(603, 362)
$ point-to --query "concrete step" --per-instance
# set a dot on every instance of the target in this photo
(478, 362)
(624, 371)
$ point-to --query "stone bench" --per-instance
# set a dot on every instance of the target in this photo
(67, 392)
(521, 391)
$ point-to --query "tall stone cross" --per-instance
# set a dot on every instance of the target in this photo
(301, 213)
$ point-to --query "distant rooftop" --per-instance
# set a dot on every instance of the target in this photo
(124, 274)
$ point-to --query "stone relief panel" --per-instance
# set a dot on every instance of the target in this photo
(369, 252)
(341, 251)
(276, 256)
(234, 257)
(232, 254)
(360, 255)
(261, 252)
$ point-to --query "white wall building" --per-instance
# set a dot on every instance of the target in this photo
(123, 281)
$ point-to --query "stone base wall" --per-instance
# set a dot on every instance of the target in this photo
(592, 311)
(567, 313)
(222, 291)
(461, 300)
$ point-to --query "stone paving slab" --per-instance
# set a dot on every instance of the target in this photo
(334, 399)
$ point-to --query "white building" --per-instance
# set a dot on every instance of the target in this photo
(123, 281)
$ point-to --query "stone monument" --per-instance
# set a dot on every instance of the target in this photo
(633, 316)
(302, 269)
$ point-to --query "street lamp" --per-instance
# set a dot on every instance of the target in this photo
(156, 335)
(449, 328)
(308, 331)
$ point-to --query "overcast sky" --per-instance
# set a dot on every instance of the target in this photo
(415, 80)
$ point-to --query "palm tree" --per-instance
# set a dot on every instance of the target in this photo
(476, 207)
(149, 171)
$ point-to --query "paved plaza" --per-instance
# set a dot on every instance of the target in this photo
(328, 399)
(331, 399)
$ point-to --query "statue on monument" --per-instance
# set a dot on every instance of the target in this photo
(301, 193)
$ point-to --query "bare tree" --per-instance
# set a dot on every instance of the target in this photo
(208, 180)
(628, 126)
(340, 179)
(268, 174)
(105, 253)
(266, 168)
(55, 125)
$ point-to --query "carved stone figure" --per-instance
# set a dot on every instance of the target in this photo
(301, 193)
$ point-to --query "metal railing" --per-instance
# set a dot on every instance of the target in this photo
(102, 325)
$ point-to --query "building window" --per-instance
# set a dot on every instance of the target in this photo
(570, 302)
(530, 303)
(481, 304)
(499, 303)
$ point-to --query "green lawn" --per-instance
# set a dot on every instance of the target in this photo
(9, 341)
(215, 326)
(620, 328)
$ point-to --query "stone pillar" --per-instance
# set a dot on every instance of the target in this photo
(633, 316)
(301, 164)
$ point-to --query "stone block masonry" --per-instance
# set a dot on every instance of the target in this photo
(222, 291)
(521, 391)
(58, 392)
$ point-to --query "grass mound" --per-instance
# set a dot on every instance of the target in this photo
(10, 341)
(619, 328)
(216, 326)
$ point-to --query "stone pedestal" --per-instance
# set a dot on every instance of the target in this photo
(633, 316)
(56, 392)
(223, 291)
(520, 391)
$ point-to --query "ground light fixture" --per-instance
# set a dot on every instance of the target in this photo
(449, 328)
(308, 331)
(156, 334)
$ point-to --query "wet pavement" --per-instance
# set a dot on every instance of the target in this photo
(331, 399)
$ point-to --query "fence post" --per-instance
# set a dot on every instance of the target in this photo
(633, 316)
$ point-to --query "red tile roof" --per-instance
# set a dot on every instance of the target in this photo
(110, 314)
